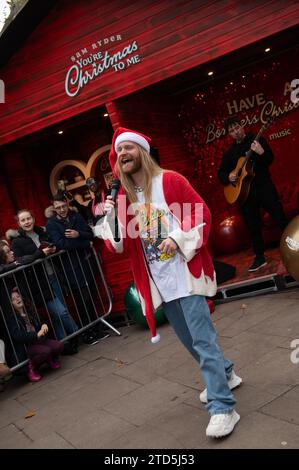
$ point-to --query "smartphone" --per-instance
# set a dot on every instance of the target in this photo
(45, 244)
(68, 225)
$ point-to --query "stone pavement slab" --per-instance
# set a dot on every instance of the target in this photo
(284, 408)
(51, 441)
(96, 430)
(13, 438)
(147, 401)
(145, 437)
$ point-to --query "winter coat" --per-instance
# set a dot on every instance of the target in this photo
(190, 237)
(77, 248)
(20, 336)
(23, 246)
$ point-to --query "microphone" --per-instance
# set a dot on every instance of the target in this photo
(114, 192)
(114, 189)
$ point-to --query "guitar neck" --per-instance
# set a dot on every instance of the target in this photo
(257, 138)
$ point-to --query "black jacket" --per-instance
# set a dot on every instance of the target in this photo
(74, 262)
(16, 278)
(5, 268)
(21, 337)
(56, 228)
(18, 330)
(24, 247)
(261, 162)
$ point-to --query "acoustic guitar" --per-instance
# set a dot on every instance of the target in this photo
(238, 190)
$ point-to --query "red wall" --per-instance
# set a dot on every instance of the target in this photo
(26, 164)
(156, 115)
(206, 107)
(172, 36)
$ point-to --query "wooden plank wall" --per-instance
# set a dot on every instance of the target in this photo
(172, 36)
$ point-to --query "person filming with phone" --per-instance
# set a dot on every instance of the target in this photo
(69, 231)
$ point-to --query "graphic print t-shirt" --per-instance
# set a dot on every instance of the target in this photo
(155, 221)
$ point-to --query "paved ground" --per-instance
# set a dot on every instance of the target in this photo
(125, 393)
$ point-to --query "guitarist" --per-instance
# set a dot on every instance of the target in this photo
(262, 193)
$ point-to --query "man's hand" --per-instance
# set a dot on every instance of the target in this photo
(49, 250)
(233, 176)
(168, 246)
(109, 205)
(257, 148)
(69, 233)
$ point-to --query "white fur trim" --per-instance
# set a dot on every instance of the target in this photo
(142, 303)
(49, 212)
(155, 294)
(132, 137)
(187, 242)
(203, 285)
(11, 234)
(156, 339)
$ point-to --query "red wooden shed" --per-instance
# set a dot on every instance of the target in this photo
(162, 67)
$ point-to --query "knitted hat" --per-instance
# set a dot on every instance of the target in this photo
(121, 135)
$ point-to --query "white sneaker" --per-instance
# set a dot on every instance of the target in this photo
(222, 424)
(233, 382)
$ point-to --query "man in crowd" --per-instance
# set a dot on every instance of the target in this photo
(69, 231)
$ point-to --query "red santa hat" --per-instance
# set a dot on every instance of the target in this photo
(121, 135)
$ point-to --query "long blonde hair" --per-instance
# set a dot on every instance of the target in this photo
(150, 168)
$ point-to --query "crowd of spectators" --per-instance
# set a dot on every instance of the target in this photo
(47, 288)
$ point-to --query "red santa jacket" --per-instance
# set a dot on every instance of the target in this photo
(191, 237)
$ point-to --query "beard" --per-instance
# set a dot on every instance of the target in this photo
(133, 167)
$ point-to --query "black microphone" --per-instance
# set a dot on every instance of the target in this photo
(114, 192)
(114, 189)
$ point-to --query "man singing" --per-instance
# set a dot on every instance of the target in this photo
(163, 225)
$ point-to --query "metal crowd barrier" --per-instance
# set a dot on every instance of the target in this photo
(73, 277)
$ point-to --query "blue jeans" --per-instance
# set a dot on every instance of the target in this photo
(63, 323)
(56, 287)
(191, 321)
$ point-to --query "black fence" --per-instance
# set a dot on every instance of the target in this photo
(66, 290)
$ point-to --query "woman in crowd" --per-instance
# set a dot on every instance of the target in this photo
(31, 243)
(7, 259)
(7, 263)
(95, 208)
(27, 330)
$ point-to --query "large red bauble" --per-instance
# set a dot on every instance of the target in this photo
(229, 234)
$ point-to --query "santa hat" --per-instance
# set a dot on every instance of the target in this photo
(121, 135)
